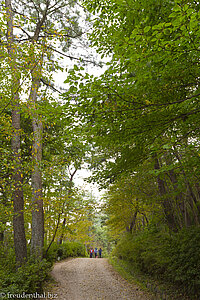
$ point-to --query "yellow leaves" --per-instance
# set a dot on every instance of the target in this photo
(37, 191)
(147, 102)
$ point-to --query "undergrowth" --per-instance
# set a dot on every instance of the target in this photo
(30, 277)
(159, 258)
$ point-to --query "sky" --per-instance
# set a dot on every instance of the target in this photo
(79, 180)
(77, 50)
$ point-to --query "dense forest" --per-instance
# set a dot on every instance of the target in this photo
(135, 126)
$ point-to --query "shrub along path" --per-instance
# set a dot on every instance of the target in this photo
(92, 279)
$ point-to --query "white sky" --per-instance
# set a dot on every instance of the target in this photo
(84, 173)
(81, 183)
(77, 51)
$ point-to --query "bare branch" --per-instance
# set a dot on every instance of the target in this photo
(55, 5)
(50, 85)
(56, 8)
(72, 57)
(24, 31)
(36, 8)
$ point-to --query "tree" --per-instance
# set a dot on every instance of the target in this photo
(144, 106)
(38, 37)
(18, 201)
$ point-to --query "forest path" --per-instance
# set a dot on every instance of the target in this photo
(92, 279)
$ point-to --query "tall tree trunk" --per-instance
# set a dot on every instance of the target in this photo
(37, 238)
(167, 207)
(2, 220)
(192, 199)
(133, 221)
(1, 237)
(179, 203)
(18, 200)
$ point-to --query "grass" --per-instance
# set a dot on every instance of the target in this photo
(156, 288)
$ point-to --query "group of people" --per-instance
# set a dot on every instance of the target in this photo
(95, 251)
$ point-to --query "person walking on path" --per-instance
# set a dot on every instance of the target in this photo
(100, 251)
(95, 252)
(91, 252)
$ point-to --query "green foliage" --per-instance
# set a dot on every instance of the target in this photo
(28, 278)
(72, 249)
(65, 250)
(184, 259)
(49, 27)
(150, 88)
(101, 233)
(174, 258)
(7, 264)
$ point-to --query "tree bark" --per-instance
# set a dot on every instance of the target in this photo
(37, 238)
(179, 203)
(133, 221)
(192, 199)
(17, 177)
(167, 207)
(3, 221)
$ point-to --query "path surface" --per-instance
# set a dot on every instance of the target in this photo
(92, 279)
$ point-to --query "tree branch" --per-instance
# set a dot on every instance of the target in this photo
(72, 57)
(50, 85)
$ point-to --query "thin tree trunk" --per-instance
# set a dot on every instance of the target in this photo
(68, 194)
(62, 234)
(54, 235)
(18, 200)
(144, 219)
(133, 221)
(60, 214)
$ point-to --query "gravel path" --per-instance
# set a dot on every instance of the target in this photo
(92, 279)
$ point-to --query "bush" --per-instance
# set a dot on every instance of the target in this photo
(52, 254)
(143, 251)
(28, 278)
(174, 257)
(184, 259)
(65, 250)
